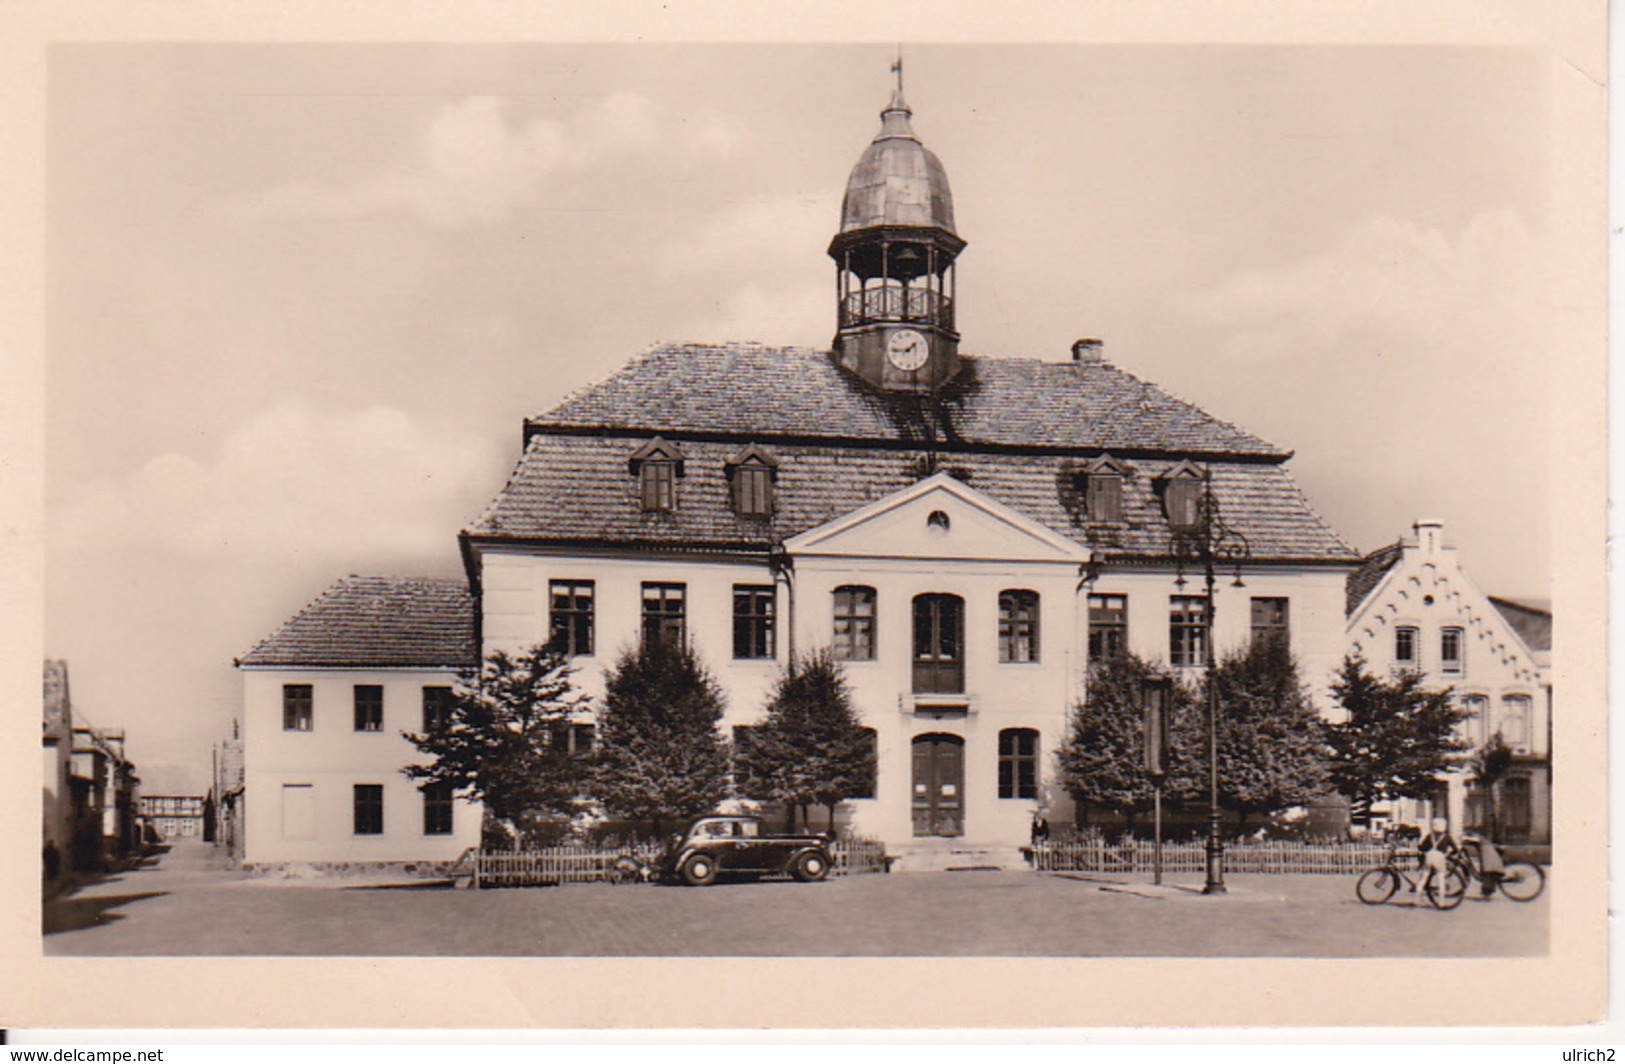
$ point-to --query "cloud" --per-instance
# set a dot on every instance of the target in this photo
(1390, 272)
(295, 481)
(759, 283)
(475, 167)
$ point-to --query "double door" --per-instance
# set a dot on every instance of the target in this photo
(939, 786)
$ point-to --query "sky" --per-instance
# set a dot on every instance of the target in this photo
(300, 297)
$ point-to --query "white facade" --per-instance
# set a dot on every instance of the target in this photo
(1406, 622)
(938, 537)
(301, 783)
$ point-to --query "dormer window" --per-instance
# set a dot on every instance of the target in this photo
(657, 465)
(1182, 495)
(659, 484)
(751, 474)
(1103, 490)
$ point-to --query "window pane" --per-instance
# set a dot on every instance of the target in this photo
(1105, 497)
(853, 636)
(296, 707)
(369, 809)
(664, 612)
(1018, 763)
(1187, 614)
(1108, 627)
(436, 707)
(369, 708)
(1405, 645)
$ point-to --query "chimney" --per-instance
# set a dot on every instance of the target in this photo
(1429, 535)
(1088, 352)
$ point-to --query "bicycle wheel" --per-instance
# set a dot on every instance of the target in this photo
(1522, 881)
(1449, 893)
(1377, 886)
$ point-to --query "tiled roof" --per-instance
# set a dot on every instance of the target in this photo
(377, 622)
(748, 390)
(580, 488)
(1364, 580)
(1533, 624)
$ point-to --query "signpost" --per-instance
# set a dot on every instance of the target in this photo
(1154, 691)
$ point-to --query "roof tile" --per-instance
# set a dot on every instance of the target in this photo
(377, 622)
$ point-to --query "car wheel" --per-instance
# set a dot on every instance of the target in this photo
(810, 867)
(700, 870)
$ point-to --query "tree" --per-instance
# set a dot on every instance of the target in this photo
(1396, 740)
(1489, 765)
(502, 739)
(811, 748)
(661, 755)
(1103, 758)
(1272, 754)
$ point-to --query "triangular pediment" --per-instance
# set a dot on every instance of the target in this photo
(938, 518)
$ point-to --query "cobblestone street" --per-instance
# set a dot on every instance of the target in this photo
(189, 904)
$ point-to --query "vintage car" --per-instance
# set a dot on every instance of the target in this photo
(715, 845)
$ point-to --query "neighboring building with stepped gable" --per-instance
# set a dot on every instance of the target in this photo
(325, 700)
(1411, 606)
(964, 532)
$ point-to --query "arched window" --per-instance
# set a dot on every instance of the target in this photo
(1018, 763)
(1018, 626)
(854, 634)
(939, 644)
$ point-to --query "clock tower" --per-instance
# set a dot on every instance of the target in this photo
(894, 261)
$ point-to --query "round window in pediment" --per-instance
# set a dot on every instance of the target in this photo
(937, 521)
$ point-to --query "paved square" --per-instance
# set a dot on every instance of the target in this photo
(188, 905)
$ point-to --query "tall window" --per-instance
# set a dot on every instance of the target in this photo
(1405, 647)
(1477, 724)
(369, 809)
(1450, 650)
(1018, 626)
(1108, 627)
(1515, 720)
(369, 707)
(939, 644)
(658, 479)
(570, 616)
(437, 805)
(854, 637)
(753, 490)
(1018, 763)
(753, 621)
(1105, 496)
(436, 708)
(296, 707)
(1186, 616)
(665, 613)
(1271, 620)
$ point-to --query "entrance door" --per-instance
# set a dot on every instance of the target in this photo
(939, 785)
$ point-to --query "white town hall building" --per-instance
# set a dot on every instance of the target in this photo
(964, 532)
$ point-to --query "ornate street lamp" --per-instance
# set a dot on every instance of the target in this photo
(1203, 541)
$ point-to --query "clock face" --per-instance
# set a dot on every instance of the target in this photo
(907, 350)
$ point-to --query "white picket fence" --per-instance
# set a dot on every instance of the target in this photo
(1275, 855)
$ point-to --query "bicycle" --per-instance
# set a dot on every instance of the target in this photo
(1518, 880)
(1377, 885)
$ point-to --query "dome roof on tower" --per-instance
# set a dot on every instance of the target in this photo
(897, 180)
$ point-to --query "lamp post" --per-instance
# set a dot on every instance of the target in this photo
(1202, 540)
(1154, 692)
